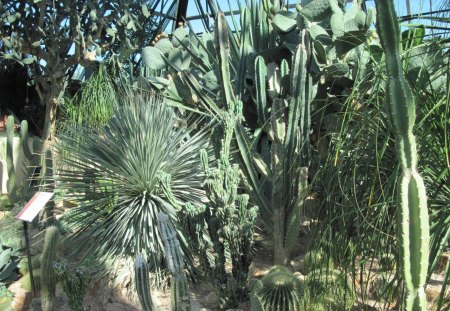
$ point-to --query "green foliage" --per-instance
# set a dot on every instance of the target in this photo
(5, 298)
(142, 283)
(315, 259)
(48, 276)
(75, 283)
(279, 290)
(9, 259)
(414, 228)
(94, 104)
(330, 289)
(142, 162)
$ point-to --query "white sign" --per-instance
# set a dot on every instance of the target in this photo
(34, 206)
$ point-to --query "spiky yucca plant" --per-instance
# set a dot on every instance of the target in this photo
(142, 162)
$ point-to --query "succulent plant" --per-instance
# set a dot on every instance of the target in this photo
(279, 290)
(414, 230)
(48, 276)
(74, 283)
(179, 288)
(142, 162)
(143, 284)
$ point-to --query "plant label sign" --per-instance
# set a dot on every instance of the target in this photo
(34, 206)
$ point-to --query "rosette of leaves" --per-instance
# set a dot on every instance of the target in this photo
(142, 162)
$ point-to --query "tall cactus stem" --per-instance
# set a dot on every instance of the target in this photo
(11, 183)
(414, 228)
(142, 283)
(179, 288)
(48, 275)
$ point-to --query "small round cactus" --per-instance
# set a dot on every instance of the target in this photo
(279, 290)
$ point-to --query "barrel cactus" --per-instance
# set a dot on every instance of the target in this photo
(279, 290)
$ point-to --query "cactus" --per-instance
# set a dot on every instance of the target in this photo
(48, 276)
(74, 282)
(14, 191)
(414, 228)
(279, 290)
(11, 183)
(142, 283)
(179, 288)
(23, 270)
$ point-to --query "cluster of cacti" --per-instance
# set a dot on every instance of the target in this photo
(74, 283)
(179, 287)
(224, 226)
(414, 228)
(142, 283)
(48, 275)
(279, 290)
(14, 191)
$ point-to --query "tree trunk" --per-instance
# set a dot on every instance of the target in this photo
(280, 256)
(50, 93)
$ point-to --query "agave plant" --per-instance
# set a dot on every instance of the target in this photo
(142, 162)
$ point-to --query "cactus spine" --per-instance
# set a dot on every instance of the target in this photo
(179, 288)
(142, 283)
(279, 290)
(48, 276)
(412, 201)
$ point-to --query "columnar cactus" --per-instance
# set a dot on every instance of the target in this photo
(48, 276)
(414, 228)
(179, 288)
(279, 290)
(143, 284)
(11, 183)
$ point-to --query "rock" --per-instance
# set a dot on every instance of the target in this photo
(22, 301)
(300, 276)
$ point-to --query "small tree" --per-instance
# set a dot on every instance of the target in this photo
(55, 36)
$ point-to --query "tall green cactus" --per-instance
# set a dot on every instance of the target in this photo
(11, 183)
(179, 288)
(414, 228)
(14, 191)
(48, 275)
(142, 283)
